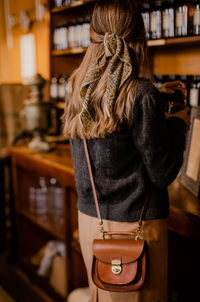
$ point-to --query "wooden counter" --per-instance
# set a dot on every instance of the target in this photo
(184, 217)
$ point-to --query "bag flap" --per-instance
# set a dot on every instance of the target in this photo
(128, 250)
(127, 275)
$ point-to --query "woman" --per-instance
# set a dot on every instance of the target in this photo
(132, 145)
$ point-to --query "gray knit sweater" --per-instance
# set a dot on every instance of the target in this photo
(148, 152)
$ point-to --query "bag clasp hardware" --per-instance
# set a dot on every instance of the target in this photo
(101, 229)
(116, 267)
(138, 230)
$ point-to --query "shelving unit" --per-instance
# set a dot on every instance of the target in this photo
(71, 6)
(175, 41)
(56, 230)
(33, 230)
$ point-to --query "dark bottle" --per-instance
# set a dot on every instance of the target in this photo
(195, 91)
(168, 18)
(184, 18)
(146, 18)
(155, 21)
(67, 2)
(186, 79)
(160, 79)
(174, 102)
(172, 77)
(196, 20)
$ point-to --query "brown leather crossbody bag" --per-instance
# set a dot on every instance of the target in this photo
(119, 264)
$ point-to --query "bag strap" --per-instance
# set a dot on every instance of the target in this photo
(137, 232)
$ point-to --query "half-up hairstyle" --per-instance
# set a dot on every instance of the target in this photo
(122, 19)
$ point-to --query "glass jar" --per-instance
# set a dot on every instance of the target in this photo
(146, 18)
(168, 19)
(184, 18)
(195, 91)
(155, 20)
(196, 20)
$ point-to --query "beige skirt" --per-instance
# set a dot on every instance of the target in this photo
(154, 232)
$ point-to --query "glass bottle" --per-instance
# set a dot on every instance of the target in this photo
(54, 89)
(67, 2)
(155, 21)
(184, 18)
(196, 20)
(160, 79)
(56, 38)
(71, 34)
(62, 82)
(195, 91)
(58, 3)
(146, 18)
(187, 80)
(55, 201)
(168, 19)
(172, 77)
(32, 201)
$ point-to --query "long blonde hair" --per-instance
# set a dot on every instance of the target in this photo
(121, 18)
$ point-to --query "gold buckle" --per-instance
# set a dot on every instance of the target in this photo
(138, 230)
(101, 229)
(116, 266)
(171, 105)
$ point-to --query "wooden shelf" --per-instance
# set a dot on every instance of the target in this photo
(71, 51)
(45, 223)
(70, 6)
(151, 43)
(59, 105)
(173, 41)
(40, 283)
(83, 2)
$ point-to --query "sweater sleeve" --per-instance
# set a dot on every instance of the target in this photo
(160, 142)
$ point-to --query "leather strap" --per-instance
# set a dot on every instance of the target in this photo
(92, 179)
(95, 194)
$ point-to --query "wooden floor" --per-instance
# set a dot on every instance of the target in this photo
(14, 284)
(4, 297)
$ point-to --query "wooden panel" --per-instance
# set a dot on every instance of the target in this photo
(177, 60)
(63, 65)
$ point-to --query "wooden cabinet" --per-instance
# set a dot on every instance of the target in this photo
(35, 230)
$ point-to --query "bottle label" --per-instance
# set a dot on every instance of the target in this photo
(179, 19)
(166, 23)
(61, 91)
(153, 23)
(196, 17)
(54, 90)
(194, 94)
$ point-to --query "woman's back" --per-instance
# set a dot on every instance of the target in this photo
(124, 163)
